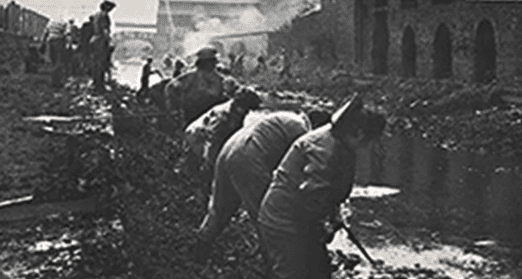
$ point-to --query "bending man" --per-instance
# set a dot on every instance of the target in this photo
(244, 166)
(314, 177)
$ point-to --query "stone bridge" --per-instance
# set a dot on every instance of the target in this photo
(131, 44)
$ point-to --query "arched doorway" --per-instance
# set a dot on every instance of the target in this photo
(409, 53)
(485, 52)
(380, 39)
(442, 53)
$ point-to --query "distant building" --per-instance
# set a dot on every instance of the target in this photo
(464, 39)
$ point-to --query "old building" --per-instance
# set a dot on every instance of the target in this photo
(468, 40)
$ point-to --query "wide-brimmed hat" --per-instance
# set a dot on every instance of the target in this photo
(207, 53)
(108, 4)
(247, 97)
(346, 116)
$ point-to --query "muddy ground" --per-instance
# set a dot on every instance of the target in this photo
(150, 205)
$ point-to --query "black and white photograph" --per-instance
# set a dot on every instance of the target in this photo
(260, 139)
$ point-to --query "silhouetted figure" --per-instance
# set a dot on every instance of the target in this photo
(146, 72)
(86, 33)
(285, 72)
(179, 65)
(100, 43)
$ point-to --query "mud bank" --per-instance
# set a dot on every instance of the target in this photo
(153, 206)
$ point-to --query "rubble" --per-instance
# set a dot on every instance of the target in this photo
(151, 204)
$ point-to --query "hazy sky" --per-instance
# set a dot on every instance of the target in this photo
(141, 11)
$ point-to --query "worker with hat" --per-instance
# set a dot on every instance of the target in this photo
(314, 177)
(244, 168)
(100, 43)
(196, 91)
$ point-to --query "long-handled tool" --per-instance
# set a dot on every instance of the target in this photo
(352, 238)
(355, 241)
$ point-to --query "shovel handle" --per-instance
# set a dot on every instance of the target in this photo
(352, 238)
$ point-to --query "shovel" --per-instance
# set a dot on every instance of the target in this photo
(355, 241)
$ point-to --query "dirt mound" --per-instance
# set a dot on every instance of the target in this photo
(450, 114)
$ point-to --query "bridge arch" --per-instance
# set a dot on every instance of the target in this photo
(134, 44)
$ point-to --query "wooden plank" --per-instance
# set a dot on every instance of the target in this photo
(23, 208)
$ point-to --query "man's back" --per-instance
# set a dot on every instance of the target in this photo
(196, 92)
(270, 137)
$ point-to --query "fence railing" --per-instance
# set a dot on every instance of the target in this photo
(21, 21)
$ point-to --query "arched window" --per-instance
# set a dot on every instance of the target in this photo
(409, 4)
(381, 3)
(409, 53)
(442, 53)
(485, 52)
(439, 2)
(380, 43)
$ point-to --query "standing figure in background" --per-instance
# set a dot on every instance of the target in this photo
(100, 43)
(54, 37)
(179, 65)
(231, 61)
(285, 71)
(261, 65)
(167, 63)
(70, 41)
(86, 33)
(239, 67)
(146, 72)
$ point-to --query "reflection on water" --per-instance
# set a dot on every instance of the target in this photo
(472, 195)
(446, 198)
(451, 260)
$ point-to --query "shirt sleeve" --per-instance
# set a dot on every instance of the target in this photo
(325, 183)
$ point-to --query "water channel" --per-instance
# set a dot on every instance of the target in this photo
(477, 195)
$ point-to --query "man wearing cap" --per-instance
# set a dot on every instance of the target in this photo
(314, 177)
(100, 43)
(244, 166)
(193, 93)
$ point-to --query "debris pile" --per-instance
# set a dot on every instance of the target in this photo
(451, 114)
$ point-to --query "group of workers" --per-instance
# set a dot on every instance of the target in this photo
(88, 49)
(289, 170)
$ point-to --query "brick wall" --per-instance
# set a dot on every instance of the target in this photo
(356, 24)
(462, 20)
